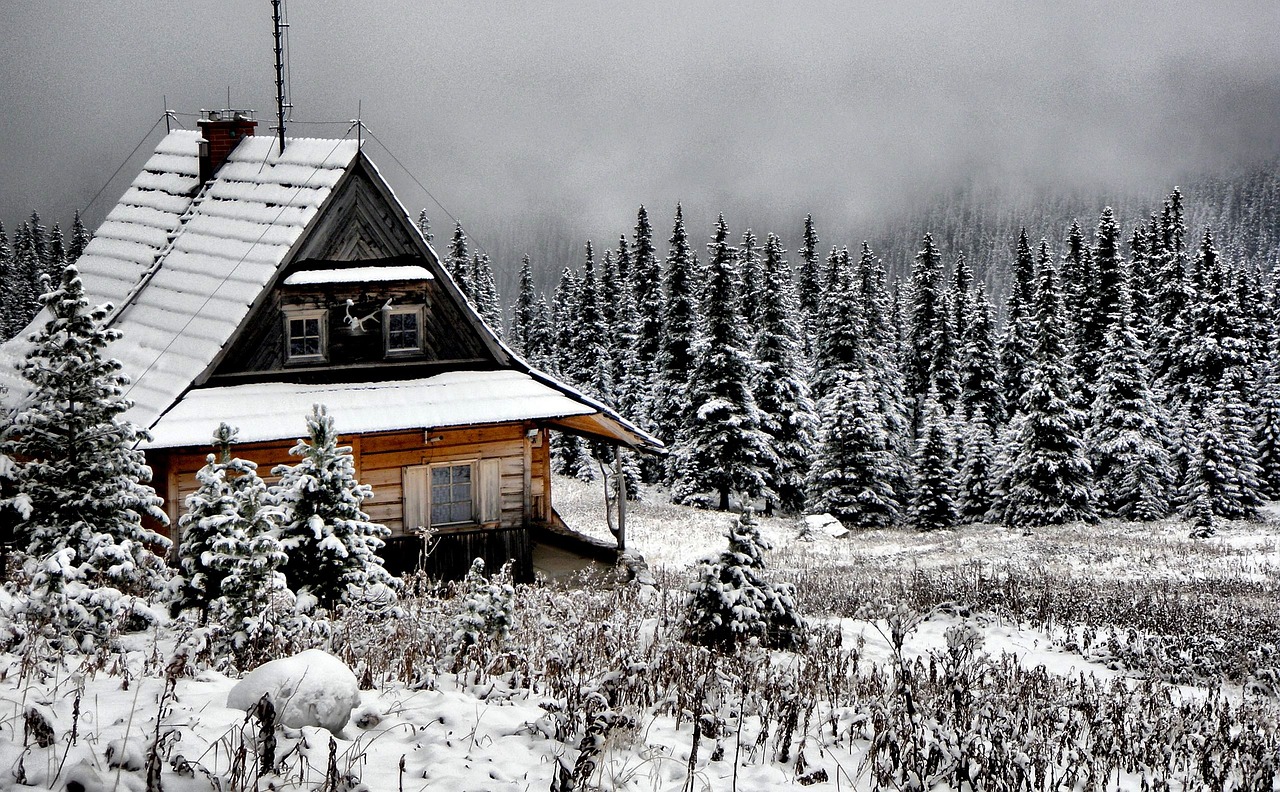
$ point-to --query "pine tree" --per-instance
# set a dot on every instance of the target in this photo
(853, 471)
(569, 455)
(749, 266)
(731, 603)
(976, 487)
(81, 476)
(25, 276)
(1126, 436)
(1017, 344)
(880, 349)
(1267, 432)
(646, 292)
(782, 395)
(1050, 480)
(424, 226)
(811, 285)
(590, 336)
(723, 449)
(523, 315)
(331, 543)
(541, 349)
(979, 364)
(1103, 300)
(675, 362)
(483, 292)
(1077, 280)
(1210, 343)
(9, 308)
(961, 307)
(1214, 477)
(210, 518)
(80, 237)
(928, 315)
(458, 265)
(839, 345)
(933, 501)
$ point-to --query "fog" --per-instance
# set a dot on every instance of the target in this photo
(559, 118)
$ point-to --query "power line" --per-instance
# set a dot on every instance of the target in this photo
(116, 172)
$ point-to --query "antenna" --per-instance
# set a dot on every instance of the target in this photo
(279, 28)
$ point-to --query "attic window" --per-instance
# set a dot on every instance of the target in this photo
(403, 330)
(305, 335)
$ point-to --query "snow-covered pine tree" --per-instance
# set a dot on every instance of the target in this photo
(80, 237)
(331, 543)
(1017, 344)
(1210, 485)
(723, 449)
(1141, 282)
(811, 287)
(979, 363)
(933, 501)
(1175, 292)
(8, 307)
(786, 411)
(752, 276)
(732, 604)
(977, 454)
(424, 226)
(852, 470)
(1126, 438)
(1267, 431)
(961, 305)
(522, 314)
(25, 275)
(569, 456)
(945, 383)
(81, 479)
(1240, 454)
(1077, 279)
(839, 345)
(485, 612)
(675, 362)
(484, 293)
(210, 517)
(631, 392)
(928, 313)
(1049, 478)
(458, 264)
(591, 335)
(55, 254)
(646, 292)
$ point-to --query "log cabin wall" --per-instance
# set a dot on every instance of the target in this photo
(523, 463)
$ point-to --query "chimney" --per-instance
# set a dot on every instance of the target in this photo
(221, 131)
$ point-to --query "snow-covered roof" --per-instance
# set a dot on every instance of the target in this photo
(315, 277)
(183, 264)
(276, 410)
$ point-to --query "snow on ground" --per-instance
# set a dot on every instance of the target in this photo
(474, 731)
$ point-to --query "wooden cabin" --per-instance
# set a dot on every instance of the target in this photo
(250, 283)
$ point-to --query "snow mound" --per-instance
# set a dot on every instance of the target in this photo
(824, 524)
(312, 688)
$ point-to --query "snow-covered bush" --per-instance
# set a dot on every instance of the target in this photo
(485, 613)
(731, 603)
(331, 544)
(81, 481)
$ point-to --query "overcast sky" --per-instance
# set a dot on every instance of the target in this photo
(576, 112)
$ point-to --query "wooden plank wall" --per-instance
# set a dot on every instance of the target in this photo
(380, 459)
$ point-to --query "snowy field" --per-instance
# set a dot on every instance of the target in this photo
(1119, 656)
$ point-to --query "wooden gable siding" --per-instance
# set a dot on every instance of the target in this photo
(380, 459)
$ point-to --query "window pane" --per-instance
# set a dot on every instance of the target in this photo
(439, 475)
(461, 512)
(462, 473)
(440, 513)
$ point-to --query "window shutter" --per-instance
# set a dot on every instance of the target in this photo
(415, 499)
(490, 471)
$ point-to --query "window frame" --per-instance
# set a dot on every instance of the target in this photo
(321, 316)
(416, 311)
(473, 464)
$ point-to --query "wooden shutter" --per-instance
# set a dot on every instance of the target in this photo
(417, 512)
(490, 475)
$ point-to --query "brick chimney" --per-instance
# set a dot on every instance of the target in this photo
(221, 131)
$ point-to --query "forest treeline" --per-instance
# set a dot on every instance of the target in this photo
(1128, 373)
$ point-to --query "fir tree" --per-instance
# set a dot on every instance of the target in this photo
(933, 500)
(1049, 475)
(424, 227)
(25, 288)
(723, 449)
(880, 348)
(9, 307)
(674, 366)
(1077, 280)
(80, 237)
(1215, 478)
(458, 264)
(786, 411)
(646, 292)
(839, 344)
(590, 336)
(928, 315)
(749, 266)
(81, 479)
(811, 285)
(853, 471)
(331, 543)
(1108, 274)
(483, 292)
(569, 453)
(1126, 437)
(1017, 345)
(1267, 433)
(979, 364)
(523, 315)
(210, 518)
(961, 306)
(977, 481)
(731, 603)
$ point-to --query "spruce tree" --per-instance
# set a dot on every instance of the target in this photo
(1017, 344)
(961, 305)
(80, 477)
(458, 264)
(1108, 274)
(976, 487)
(782, 395)
(723, 449)
(646, 292)
(933, 503)
(752, 275)
(1216, 479)
(979, 364)
(25, 276)
(928, 316)
(811, 287)
(80, 237)
(210, 518)
(1050, 480)
(1077, 280)
(523, 314)
(1126, 437)
(569, 455)
(839, 343)
(1267, 425)
(591, 335)
(483, 292)
(424, 226)
(675, 362)
(9, 308)
(853, 471)
(331, 543)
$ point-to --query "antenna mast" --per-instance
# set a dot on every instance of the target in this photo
(280, 103)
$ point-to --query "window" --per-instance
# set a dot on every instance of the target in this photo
(404, 330)
(305, 335)
(451, 494)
